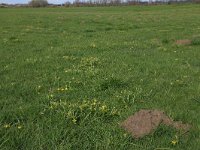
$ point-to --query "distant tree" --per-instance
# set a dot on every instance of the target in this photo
(38, 3)
(77, 3)
(196, 1)
(67, 4)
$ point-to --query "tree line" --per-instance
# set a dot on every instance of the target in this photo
(80, 3)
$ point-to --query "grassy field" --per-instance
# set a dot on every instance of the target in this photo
(69, 76)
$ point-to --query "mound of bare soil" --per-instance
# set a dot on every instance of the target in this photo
(183, 42)
(144, 122)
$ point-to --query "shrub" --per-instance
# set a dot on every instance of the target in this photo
(38, 3)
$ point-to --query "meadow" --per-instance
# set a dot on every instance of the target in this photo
(69, 76)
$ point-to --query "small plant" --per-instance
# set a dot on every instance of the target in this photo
(112, 83)
(165, 41)
(196, 40)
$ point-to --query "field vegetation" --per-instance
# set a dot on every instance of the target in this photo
(69, 76)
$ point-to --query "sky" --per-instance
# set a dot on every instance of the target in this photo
(26, 1)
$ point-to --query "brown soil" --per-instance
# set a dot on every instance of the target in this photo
(146, 121)
(183, 42)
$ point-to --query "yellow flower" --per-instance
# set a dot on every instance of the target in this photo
(69, 114)
(19, 126)
(174, 142)
(103, 108)
(74, 120)
(68, 70)
(93, 45)
(6, 126)
(94, 103)
(114, 111)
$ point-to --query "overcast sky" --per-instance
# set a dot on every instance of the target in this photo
(26, 1)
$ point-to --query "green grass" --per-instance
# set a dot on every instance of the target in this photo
(69, 76)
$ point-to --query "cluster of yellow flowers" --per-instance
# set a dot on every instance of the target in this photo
(62, 89)
(98, 106)
(86, 64)
(89, 61)
(70, 58)
(79, 110)
(8, 125)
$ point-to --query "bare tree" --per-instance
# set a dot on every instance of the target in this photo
(38, 3)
